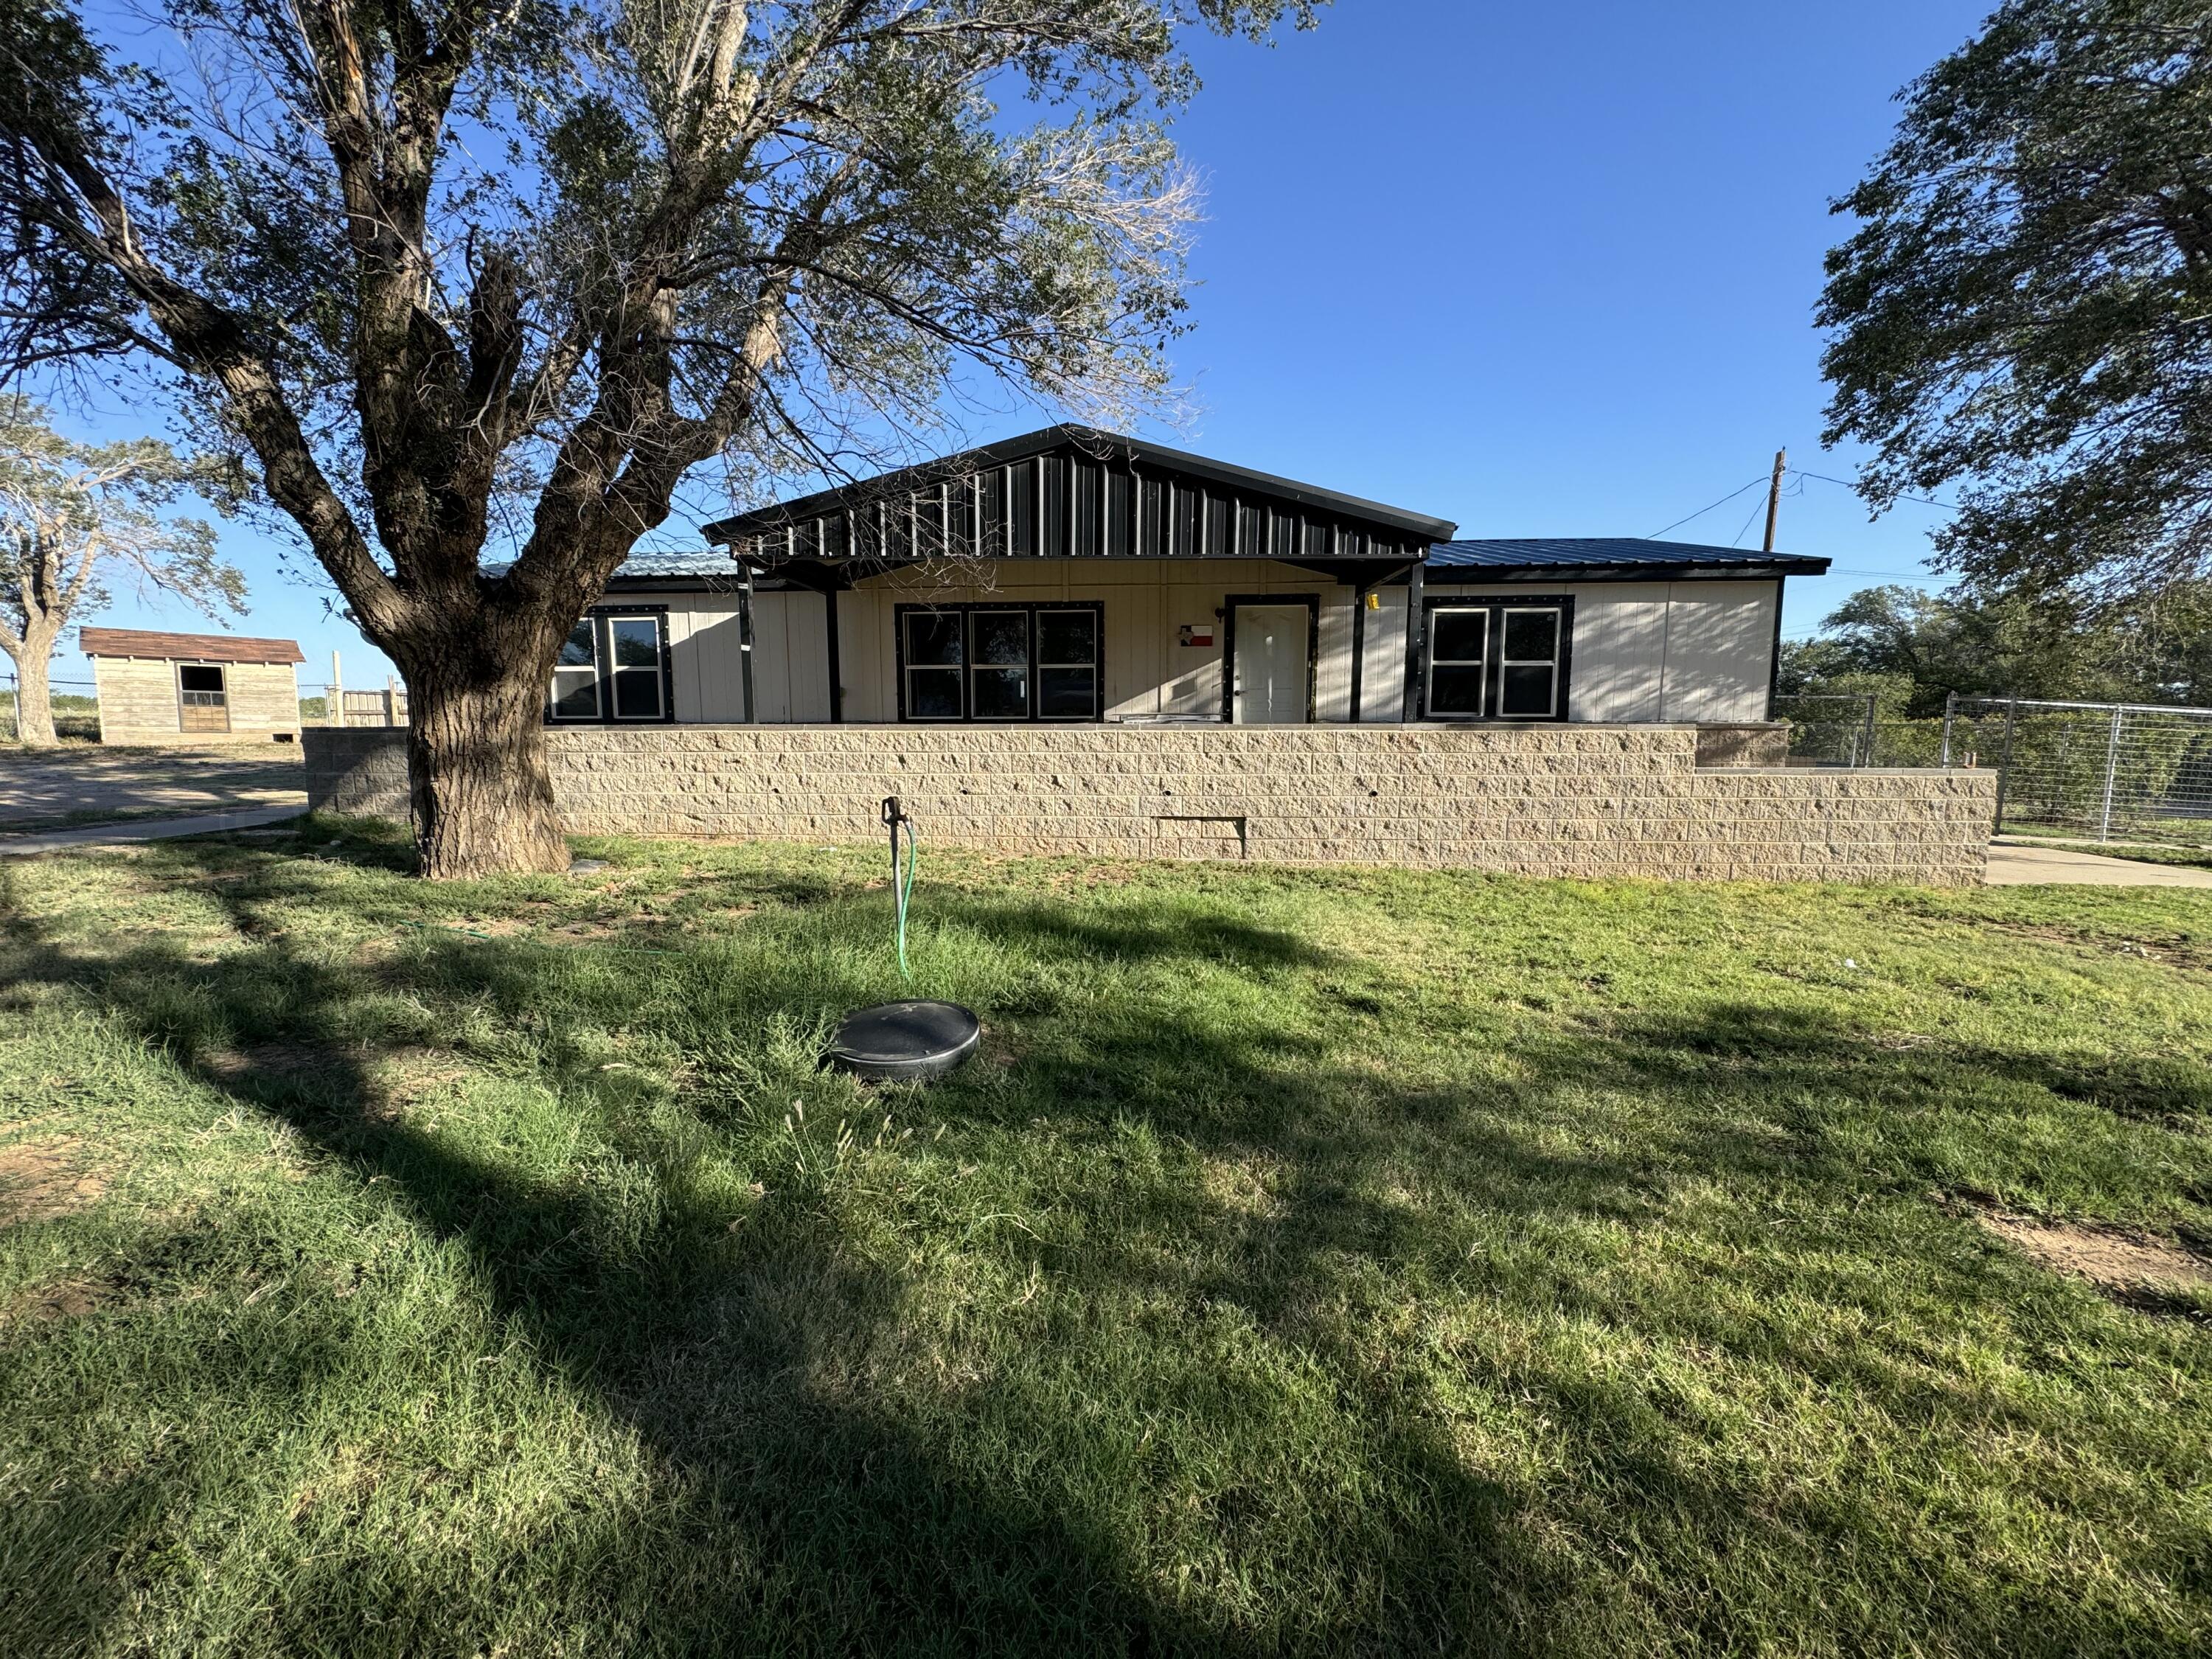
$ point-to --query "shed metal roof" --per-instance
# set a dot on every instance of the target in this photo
(1589, 558)
(184, 647)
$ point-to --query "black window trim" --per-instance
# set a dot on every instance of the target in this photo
(1493, 672)
(1033, 609)
(602, 642)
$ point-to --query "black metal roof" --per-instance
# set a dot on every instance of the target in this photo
(678, 565)
(1072, 491)
(1606, 558)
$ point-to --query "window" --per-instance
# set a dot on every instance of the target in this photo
(635, 657)
(1528, 665)
(613, 666)
(1068, 664)
(998, 664)
(935, 660)
(1491, 659)
(1000, 661)
(576, 674)
(1459, 655)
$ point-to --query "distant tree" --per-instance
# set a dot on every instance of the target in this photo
(1911, 649)
(75, 521)
(475, 283)
(2025, 312)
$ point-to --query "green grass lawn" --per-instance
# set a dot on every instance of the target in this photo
(1309, 1261)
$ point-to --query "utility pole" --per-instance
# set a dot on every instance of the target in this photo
(1774, 496)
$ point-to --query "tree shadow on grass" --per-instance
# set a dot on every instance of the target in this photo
(809, 1519)
(812, 1511)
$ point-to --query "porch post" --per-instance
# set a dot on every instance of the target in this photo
(745, 638)
(1359, 643)
(1416, 627)
(836, 675)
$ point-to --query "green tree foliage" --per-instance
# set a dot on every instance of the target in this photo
(1910, 648)
(2024, 311)
(474, 284)
(76, 519)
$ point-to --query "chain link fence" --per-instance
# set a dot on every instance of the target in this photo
(1835, 729)
(2115, 771)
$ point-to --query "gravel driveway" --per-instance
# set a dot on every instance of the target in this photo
(88, 784)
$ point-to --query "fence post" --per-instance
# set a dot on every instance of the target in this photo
(1950, 713)
(2111, 769)
(2004, 766)
(335, 713)
(391, 701)
(1868, 758)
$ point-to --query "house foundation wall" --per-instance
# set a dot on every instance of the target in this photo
(1555, 800)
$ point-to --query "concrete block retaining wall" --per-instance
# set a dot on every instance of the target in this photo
(1554, 800)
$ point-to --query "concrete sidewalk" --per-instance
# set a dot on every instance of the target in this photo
(2028, 866)
(39, 787)
(114, 835)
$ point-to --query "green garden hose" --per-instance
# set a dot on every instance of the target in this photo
(901, 886)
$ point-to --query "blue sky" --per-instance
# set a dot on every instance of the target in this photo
(1543, 270)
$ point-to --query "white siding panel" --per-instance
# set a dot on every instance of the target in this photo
(1383, 680)
(1333, 668)
(1618, 671)
(791, 672)
(1720, 640)
(716, 644)
(865, 654)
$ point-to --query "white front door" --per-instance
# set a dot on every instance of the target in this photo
(1271, 665)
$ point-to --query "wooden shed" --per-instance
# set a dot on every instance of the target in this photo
(158, 687)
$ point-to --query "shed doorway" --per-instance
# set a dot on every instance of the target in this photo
(203, 698)
(1271, 661)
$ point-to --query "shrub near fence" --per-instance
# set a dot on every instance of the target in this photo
(1832, 730)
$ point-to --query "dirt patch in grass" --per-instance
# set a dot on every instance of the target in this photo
(72, 1298)
(267, 1062)
(41, 1180)
(406, 1076)
(381, 1086)
(2124, 1260)
(2175, 950)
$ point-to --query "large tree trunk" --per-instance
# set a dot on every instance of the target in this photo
(35, 703)
(482, 794)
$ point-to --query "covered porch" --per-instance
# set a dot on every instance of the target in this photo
(1072, 576)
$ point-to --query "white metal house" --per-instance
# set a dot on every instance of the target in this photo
(1072, 576)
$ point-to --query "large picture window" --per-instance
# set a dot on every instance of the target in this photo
(1497, 659)
(613, 667)
(1001, 661)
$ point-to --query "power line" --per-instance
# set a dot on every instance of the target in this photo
(1702, 511)
(1924, 500)
(1757, 507)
